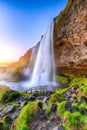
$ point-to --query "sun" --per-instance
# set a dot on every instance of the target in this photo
(7, 54)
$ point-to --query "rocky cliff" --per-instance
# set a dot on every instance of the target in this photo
(70, 39)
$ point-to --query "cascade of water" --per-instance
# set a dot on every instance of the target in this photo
(44, 68)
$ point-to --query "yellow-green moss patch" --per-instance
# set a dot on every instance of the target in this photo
(30, 110)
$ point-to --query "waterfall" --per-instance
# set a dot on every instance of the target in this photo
(44, 68)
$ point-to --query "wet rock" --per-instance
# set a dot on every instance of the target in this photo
(35, 126)
(40, 98)
(2, 114)
(8, 120)
(68, 106)
(53, 107)
(14, 114)
(23, 103)
(58, 128)
(73, 109)
(32, 98)
(45, 99)
(41, 114)
(68, 94)
(9, 108)
(73, 99)
(48, 125)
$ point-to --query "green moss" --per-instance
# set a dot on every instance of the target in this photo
(61, 108)
(56, 98)
(62, 79)
(83, 90)
(73, 119)
(10, 95)
(78, 81)
(5, 109)
(66, 127)
(25, 115)
(48, 110)
(5, 125)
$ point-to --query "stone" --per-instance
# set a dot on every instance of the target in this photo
(53, 107)
(32, 98)
(73, 109)
(45, 99)
(14, 114)
(9, 108)
(58, 128)
(73, 99)
(68, 106)
(8, 120)
(48, 125)
(41, 114)
(2, 114)
(23, 103)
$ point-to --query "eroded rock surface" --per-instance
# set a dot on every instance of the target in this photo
(70, 39)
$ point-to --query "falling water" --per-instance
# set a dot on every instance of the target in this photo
(44, 68)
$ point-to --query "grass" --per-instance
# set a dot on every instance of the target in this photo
(26, 115)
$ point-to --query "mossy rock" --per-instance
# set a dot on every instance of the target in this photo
(26, 114)
(10, 95)
(56, 98)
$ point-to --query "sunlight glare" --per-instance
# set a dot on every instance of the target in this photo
(7, 54)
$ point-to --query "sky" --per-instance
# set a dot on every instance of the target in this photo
(22, 22)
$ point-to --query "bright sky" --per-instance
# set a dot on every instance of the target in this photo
(22, 22)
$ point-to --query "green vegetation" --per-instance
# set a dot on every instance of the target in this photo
(5, 125)
(26, 114)
(62, 79)
(48, 110)
(78, 81)
(61, 107)
(56, 98)
(10, 95)
(3, 91)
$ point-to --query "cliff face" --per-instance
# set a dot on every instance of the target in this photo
(70, 39)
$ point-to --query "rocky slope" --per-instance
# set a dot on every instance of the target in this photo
(64, 109)
(70, 39)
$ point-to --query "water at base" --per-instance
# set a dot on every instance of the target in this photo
(44, 68)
